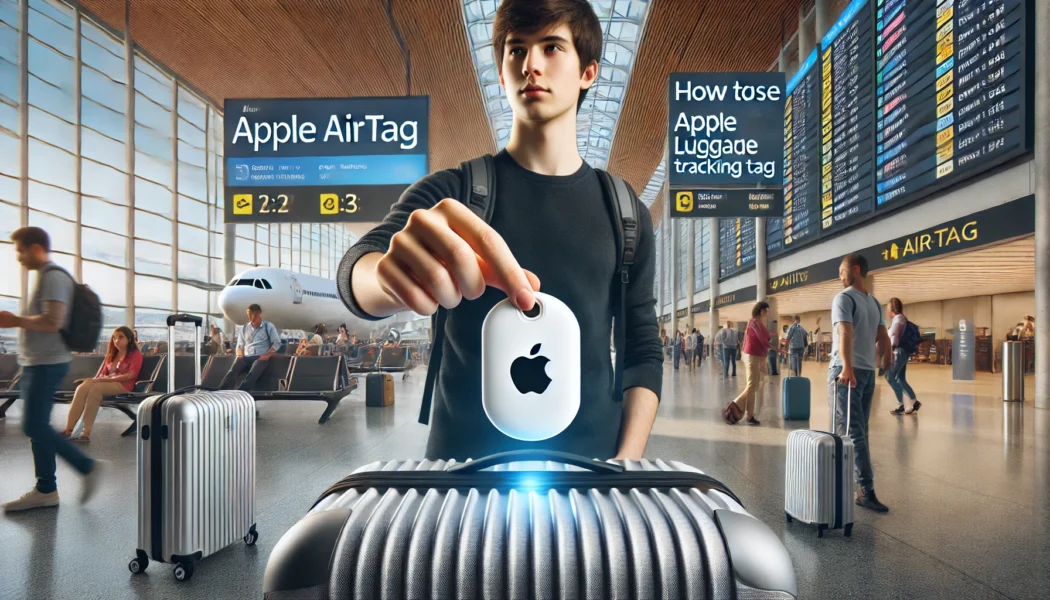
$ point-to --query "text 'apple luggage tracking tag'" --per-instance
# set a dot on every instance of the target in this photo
(530, 368)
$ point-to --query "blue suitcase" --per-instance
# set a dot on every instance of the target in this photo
(795, 398)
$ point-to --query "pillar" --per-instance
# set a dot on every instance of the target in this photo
(805, 34)
(229, 266)
(129, 156)
(712, 327)
(822, 18)
(690, 281)
(676, 267)
(1042, 204)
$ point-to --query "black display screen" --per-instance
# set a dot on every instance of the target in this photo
(736, 243)
(801, 221)
(847, 113)
(950, 85)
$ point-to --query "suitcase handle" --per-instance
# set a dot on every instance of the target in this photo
(184, 318)
(536, 454)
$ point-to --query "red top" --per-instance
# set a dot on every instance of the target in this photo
(130, 364)
(756, 338)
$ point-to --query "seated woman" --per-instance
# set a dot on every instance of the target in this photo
(116, 376)
(311, 344)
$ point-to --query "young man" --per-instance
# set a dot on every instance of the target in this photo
(45, 361)
(797, 342)
(551, 217)
(259, 340)
(860, 340)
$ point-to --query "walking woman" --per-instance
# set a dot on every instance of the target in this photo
(116, 376)
(756, 347)
(895, 375)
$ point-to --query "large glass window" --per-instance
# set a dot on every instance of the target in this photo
(702, 244)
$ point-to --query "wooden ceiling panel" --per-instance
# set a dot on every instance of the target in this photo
(319, 48)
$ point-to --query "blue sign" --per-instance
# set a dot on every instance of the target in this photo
(320, 159)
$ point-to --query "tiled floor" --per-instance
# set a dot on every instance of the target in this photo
(967, 481)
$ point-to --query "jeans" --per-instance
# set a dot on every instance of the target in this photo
(728, 358)
(796, 361)
(859, 399)
(895, 376)
(38, 385)
(771, 358)
(255, 369)
(677, 355)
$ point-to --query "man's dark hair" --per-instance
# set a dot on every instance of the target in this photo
(27, 236)
(758, 308)
(529, 16)
(897, 306)
(797, 318)
(255, 308)
(857, 260)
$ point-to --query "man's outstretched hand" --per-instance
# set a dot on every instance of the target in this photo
(447, 253)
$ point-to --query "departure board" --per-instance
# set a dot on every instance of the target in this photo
(847, 110)
(736, 243)
(774, 236)
(950, 86)
(801, 155)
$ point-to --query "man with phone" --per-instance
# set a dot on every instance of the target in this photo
(860, 344)
(549, 215)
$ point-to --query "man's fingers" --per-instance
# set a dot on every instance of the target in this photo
(504, 271)
(426, 269)
(394, 280)
(457, 256)
(524, 299)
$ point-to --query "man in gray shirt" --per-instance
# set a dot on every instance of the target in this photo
(728, 342)
(45, 362)
(860, 341)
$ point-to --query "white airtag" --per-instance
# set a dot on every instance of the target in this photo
(530, 368)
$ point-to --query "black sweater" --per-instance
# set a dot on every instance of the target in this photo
(561, 229)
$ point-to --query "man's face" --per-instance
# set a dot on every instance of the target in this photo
(30, 256)
(847, 275)
(255, 318)
(541, 73)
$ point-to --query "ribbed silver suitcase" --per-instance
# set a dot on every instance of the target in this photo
(818, 478)
(196, 470)
(509, 526)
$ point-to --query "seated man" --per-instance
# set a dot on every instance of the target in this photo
(258, 341)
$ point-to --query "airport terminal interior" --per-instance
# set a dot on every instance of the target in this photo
(916, 134)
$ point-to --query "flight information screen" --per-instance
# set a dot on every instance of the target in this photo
(774, 236)
(736, 242)
(847, 111)
(321, 160)
(801, 156)
(950, 85)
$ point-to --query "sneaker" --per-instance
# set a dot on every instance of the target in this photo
(32, 499)
(91, 480)
(753, 421)
(83, 439)
(869, 501)
(898, 411)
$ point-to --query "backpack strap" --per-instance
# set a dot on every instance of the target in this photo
(477, 192)
(626, 229)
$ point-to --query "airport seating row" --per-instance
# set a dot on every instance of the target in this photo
(316, 378)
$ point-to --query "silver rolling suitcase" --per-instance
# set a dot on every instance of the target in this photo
(529, 524)
(818, 486)
(196, 469)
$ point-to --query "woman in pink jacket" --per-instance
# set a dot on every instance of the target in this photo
(756, 347)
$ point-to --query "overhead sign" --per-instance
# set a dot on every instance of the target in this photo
(999, 223)
(701, 307)
(747, 294)
(682, 313)
(322, 160)
(727, 130)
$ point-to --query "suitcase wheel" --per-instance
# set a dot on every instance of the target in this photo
(820, 531)
(251, 537)
(788, 517)
(183, 571)
(137, 566)
(849, 529)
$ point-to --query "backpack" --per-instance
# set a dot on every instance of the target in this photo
(479, 188)
(85, 313)
(910, 338)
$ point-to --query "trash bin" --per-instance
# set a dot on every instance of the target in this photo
(1013, 372)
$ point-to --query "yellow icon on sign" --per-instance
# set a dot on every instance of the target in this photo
(242, 204)
(329, 204)
(684, 201)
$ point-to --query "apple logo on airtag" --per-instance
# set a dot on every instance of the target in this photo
(530, 374)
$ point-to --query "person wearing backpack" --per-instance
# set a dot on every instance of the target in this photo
(797, 339)
(45, 353)
(904, 337)
(540, 213)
